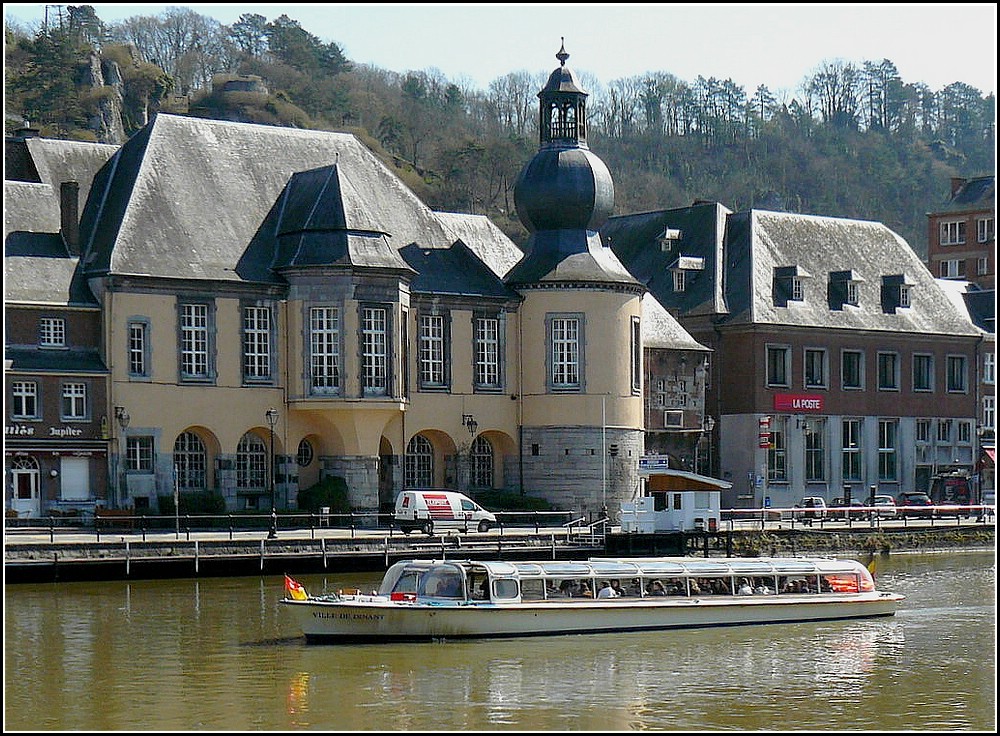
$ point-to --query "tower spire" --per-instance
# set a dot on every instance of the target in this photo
(562, 55)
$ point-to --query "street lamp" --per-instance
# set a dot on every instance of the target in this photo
(123, 419)
(272, 418)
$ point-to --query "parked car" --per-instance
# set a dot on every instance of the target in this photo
(914, 503)
(885, 507)
(838, 510)
(815, 508)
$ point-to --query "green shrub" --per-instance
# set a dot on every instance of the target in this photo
(194, 502)
(330, 491)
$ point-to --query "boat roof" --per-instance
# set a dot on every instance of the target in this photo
(665, 566)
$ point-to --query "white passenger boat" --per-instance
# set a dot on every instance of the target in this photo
(445, 599)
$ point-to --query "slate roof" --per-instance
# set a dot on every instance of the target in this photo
(760, 241)
(456, 271)
(974, 194)
(484, 238)
(322, 220)
(635, 239)
(51, 161)
(661, 330)
(37, 267)
(202, 199)
(742, 252)
(978, 305)
(37, 360)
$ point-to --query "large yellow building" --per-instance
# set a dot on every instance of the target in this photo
(269, 292)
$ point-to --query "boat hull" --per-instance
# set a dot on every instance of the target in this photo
(382, 620)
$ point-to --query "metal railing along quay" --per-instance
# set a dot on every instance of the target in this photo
(861, 516)
(116, 523)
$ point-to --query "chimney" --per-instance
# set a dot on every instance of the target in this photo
(957, 182)
(69, 214)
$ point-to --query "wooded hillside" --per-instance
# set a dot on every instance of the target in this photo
(854, 141)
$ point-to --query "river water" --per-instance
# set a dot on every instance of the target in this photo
(217, 654)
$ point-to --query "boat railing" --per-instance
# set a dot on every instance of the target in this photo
(588, 533)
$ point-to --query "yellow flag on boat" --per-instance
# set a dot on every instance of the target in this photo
(871, 565)
(294, 590)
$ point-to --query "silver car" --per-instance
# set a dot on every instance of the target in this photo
(885, 507)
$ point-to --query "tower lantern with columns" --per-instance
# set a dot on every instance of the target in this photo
(582, 421)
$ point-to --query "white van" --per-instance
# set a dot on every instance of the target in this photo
(428, 509)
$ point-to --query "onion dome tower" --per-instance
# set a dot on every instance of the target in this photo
(581, 342)
(565, 193)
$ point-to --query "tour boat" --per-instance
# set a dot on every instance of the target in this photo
(451, 599)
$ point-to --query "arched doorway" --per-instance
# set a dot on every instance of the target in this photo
(386, 477)
(24, 484)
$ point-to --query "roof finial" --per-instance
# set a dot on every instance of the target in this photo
(562, 55)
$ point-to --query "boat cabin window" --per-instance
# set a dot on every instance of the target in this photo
(763, 585)
(479, 586)
(407, 582)
(846, 583)
(671, 586)
(533, 589)
(504, 588)
(797, 584)
(571, 588)
(441, 582)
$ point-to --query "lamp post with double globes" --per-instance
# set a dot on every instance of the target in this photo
(272, 418)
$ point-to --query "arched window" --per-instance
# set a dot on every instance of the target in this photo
(419, 469)
(482, 463)
(190, 461)
(251, 463)
(304, 456)
(24, 463)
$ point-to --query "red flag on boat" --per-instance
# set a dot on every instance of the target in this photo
(294, 590)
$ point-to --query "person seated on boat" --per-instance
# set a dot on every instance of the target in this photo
(446, 586)
(480, 592)
(566, 588)
(585, 591)
(676, 587)
(610, 589)
(694, 588)
(720, 587)
(656, 588)
(606, 590)
(744, 588)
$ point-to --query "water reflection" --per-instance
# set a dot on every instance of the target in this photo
(219, 654)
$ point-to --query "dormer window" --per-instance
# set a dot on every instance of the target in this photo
(669, 239)
(681, 266)
(895, 293)
(788, 285)
(843, 289)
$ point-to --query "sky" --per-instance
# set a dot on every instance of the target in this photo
(772, 44)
